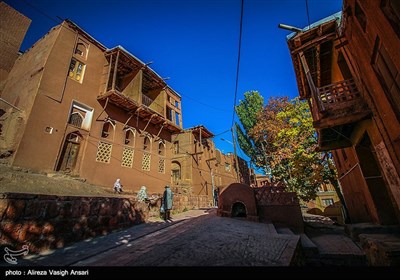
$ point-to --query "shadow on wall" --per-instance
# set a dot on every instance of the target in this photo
(46, 221)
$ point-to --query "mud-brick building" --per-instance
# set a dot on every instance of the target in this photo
(198, 167)
(347, 67)
(13, 27)
(75, 106)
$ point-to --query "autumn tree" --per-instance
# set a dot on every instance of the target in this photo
(280, 139)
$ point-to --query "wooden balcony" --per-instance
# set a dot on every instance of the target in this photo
(153, 105)
(144, 111)
(336, 109)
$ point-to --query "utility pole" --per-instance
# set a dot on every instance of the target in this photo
(235, 153)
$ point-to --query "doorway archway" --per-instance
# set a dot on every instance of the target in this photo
(239, 210)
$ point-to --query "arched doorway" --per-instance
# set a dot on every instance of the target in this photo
(69, 152)
(239, 210)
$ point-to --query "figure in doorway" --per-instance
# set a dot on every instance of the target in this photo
(216, 194)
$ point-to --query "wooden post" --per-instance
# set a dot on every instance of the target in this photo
(115, 71)
(236, 157)
(313, 88)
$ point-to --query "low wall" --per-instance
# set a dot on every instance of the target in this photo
(237, 193)
(184, 202)
(49, 221)
(282, 208)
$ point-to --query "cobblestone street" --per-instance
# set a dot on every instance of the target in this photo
(193, 238)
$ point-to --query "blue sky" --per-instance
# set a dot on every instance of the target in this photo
(195, 43)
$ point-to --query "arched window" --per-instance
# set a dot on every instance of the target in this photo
(76, 119)
(130, 136)
(146, 143)
(81, 49)
(176, 171)
(108, 130)
(161, 148)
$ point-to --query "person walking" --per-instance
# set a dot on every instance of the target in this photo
(118, 186)
(216, 195)
(167, 202)
(142, 194)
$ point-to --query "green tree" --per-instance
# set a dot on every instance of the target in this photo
(248, 111)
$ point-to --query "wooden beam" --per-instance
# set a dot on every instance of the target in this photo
(108, 74)
(316, 41)
(115, 71)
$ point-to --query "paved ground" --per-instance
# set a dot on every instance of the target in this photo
(193, 238)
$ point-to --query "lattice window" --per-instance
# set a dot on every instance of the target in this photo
(146, 161)
(75, 119)
(127, 157)
(161, 165)
(104, 152)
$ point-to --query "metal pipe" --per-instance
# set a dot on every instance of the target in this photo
(291, 28)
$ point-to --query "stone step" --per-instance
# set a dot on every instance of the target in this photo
(381, 249)
(309, 248)
(354, 230)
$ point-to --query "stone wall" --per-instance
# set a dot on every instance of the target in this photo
(48, 221)
(184, 202)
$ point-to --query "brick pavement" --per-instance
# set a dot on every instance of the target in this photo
(194, 238)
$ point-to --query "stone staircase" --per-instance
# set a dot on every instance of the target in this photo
(381, 244)
(321, 246)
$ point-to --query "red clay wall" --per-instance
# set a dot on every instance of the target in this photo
(47, 221)
(237, 193)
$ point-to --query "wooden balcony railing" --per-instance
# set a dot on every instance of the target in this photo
(336, 99)
(339, 95)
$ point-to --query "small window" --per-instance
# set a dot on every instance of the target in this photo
(81, 49)
(103, 152)
(227, 167)
(80, 115)
(327, 202)
(146, 143)
(146, 160)
(127, 157)
(76, 119)
(170, 114)
(176, 171)
(129, 136)
(391, 9)
(108, 130)
(161, 148)
(177, 121)
(360, 15)
(76, 70)
(176, 147)
(176, 104)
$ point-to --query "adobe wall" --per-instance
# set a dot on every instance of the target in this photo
(275, 205)
(49, 221)
(184, 202)
(237, 193)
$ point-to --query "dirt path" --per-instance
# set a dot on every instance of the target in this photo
(20, 180)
